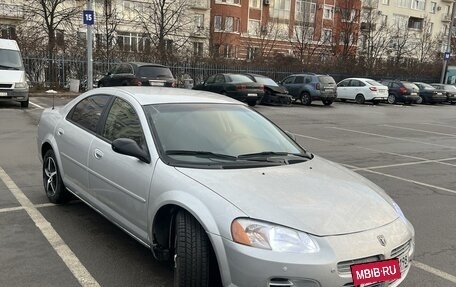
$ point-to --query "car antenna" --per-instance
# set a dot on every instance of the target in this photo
(53, 101)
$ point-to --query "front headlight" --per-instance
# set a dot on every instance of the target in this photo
(21, 85)
(273, 237)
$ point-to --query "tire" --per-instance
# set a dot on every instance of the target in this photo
(360, 99)
(327, 102)
(452, 103)
(420, 100)
(391, 99)
(252, 103)
(52, 181)
(306, 99)
(25, 104)
(192, 253)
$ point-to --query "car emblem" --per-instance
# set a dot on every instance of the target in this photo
(382, 240)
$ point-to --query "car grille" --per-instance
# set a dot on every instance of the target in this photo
(6, 86)
(344, 267)
(401, 250)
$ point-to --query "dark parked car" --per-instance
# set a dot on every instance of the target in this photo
(429, 94)
(309, 87)
(236, 86)
(274, 94)
(402, 91)
(138, 74)
(450, 91)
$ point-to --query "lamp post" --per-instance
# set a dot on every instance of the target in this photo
(448, 47)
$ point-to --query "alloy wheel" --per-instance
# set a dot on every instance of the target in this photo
(50, 176)
(391, 99)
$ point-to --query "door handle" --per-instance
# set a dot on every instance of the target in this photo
(98, 154)
(60, 131)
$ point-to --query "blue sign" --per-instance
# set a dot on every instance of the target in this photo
(88, 17)
(446, 56)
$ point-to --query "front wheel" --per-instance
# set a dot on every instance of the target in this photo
(327, 102)
(360, 99)
(52, 181)
(391, 99)
(306, 99)
(191, 252)
(252, 103)
(420, 100)
(25, 104)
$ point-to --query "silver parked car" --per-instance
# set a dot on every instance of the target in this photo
(208, 183)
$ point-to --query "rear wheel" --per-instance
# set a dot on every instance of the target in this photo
(192, 252)
(252, 103)
(360, 99)
(391, 99)
(421, 100)
(306, 99)
(53, 184)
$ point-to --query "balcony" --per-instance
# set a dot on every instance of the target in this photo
(11, 11)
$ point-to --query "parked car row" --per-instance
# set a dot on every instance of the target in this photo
(303, 87)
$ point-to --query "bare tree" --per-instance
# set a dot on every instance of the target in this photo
(425, 45)
(345, 44)
(106, 30)
(168, 24)
(265, 38)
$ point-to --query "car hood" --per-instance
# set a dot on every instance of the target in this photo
(276, 89)
(11, 76)
(317, 196)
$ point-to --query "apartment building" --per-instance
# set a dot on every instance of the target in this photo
(11, 14)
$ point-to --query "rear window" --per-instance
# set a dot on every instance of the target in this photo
(326, 80)
(266, 81)
(155, 72)
(238, 79)
(426, 86)
(374, 83)
(450, 88)
(410, 86)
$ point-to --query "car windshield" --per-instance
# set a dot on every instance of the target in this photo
(10, 60)
(219, 135)
(238, 79)
(427, 86)
(266, 81)
(326, 80)
(154, 72)
(374, 83)
(450, 88)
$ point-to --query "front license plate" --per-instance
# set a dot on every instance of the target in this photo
(3, 94)
(379, 271)
(252, 95)
(158, 84)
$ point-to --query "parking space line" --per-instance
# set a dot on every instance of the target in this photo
(36, 105)
(442, 161)
(45, 205)
(434, 271)
(418, 130)
(9, 209)
(438, 125)
(313, 138)
(390, 137)
(54, 239)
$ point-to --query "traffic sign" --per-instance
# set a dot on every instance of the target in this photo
(446, 56)
(88, 17)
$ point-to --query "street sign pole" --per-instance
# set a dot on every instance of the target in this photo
(88, 18)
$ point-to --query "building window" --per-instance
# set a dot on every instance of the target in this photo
(418, 4)
(217, 23)
(199, 22)
(132, 42)
(433, 7)
(252, 52)
(326, 36)
(348, 15)
(403, 3)
(400, 22)
(254, 27)
(328, 12)
(255, 4)
(305, 11)
(8, 32)
(229, 24)
(385, 2)
(197, 49)
(229, 51)
(280, 9)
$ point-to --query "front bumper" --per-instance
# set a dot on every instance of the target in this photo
(20, 95)
(251, 267)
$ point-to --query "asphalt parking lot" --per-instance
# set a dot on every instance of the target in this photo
(410, 151)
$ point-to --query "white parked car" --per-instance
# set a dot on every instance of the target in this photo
(361, 90)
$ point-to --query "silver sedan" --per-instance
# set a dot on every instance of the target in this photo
(219, 190)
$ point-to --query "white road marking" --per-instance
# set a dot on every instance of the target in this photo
(438, 125)
(313, 138)
(9, 209)
(411, 163)
(45, 205)
(390, 137)
(434, 271)
(36, 105)
(57, 243)
(418, 130)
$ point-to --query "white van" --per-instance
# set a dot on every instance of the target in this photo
(13, 84)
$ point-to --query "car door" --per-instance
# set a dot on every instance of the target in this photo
(74, 136)
(288, 83)
(219, 85)
(355, 87)
(119, 182)
(207, 85)
(343, 89)
(122, 75)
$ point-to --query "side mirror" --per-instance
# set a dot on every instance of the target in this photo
(130, 147)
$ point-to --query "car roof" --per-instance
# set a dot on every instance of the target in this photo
(161, 95)
(360, 79)
(139, 64)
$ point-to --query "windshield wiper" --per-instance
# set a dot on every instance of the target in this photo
(205, 154)
(8, 67)
(272, 153)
